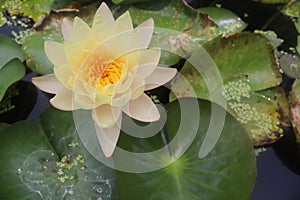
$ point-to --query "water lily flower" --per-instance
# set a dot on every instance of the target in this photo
(105, 68)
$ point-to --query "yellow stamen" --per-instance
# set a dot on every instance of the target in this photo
(111, 74)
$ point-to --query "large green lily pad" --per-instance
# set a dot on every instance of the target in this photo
(217, 176)
(244, 56)
(247, 64)
(18, 143)
(33, 168)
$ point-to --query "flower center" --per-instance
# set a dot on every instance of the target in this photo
(111, 74)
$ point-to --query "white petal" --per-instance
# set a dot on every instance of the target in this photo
(106, 116)
(47, 83)
(80, 30)
(148, 62)
(108, 138)
(146, 28)
(63, 74)
(123, 23)
(121, 99)
(103, 16)
(160, 76)
(83, 102)
(55, 52)
(137, 87)
(142, 109)
(67, 28)
(63, 100)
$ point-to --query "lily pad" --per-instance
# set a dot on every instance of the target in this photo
(33, 47)
(9, 50)
(293, 9)
(264, 114)
(227, 22)
(244, 56)
(247, 64)
(217, 176)
(18, 142)
(35, 56)
(290, 64)
(34, 169)
(173, 16)
(294, 98)
(34, 9)
(129, 1)
(9, 74)
(96, 180)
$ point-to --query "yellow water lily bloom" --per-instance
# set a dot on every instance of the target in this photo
(105, 68)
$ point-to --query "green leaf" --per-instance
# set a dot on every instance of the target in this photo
(264, 114)
(96, 180)
(272, 37)
(217, 176)
(247, 64)
(227, 22)
(34, 9)
(129, 1)
(31, 169)
(244, 56)
(10, 73)
(175, 24)
(18, 143)
(9, 50)
(290, 64)
(293, 9)
(33, 49)
(294, 98)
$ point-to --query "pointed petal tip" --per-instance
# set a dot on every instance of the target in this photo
(67, 28)
(47, 83)
(108, 138)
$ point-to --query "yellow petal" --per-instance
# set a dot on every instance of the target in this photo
(160, 76)
(142, 109)
(73, 54)
(55, 52)
(106, 116)
(103, 17)
(63, 74)
(108, 138)
(146, 28)
(148, 62)
(47, 83)
(63, 100)
(80, 30)
(123, 23)
(67, 28)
